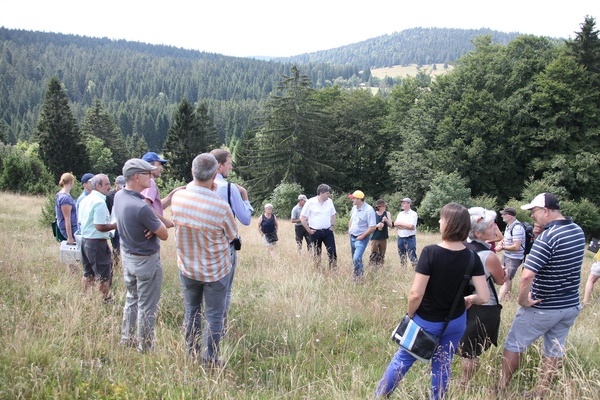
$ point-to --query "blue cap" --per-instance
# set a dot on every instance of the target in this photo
(152, 156)
(86, 177)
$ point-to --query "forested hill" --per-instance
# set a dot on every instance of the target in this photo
(140, 84)
(419, 46)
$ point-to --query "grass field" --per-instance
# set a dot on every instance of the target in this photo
(295, 333)
(409, 70)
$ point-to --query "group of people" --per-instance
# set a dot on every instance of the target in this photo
(206, 236)
(204, 217)
(548, 295)
(314, 222)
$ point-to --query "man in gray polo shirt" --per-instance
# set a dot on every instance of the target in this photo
(140, 231)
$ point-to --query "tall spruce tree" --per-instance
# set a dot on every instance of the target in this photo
(61, 144)
(98, 124)
(192, 133)
(290, 139)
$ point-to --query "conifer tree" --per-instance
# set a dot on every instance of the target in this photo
(98, 124)
(192, 133)
(61, 145)
(291, 139)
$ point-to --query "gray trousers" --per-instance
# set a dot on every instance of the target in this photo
(143, 277)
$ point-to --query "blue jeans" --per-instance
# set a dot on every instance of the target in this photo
(214, 295)
(357, 249)
(143, 277)
(407, 247)
(441, 362)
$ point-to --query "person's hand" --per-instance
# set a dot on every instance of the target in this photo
(468, 301)
(148, 233)
(530, 301)
(168, 223)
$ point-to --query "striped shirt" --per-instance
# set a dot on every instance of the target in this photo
(556, 258)
(204, 227)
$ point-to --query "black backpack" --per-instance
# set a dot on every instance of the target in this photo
(528, 236)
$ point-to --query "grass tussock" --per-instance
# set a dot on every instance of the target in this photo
(295, 332)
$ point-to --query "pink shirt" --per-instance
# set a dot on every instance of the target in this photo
(153, 195)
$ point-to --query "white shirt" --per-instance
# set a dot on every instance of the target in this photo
(318, 214)
(407, 217)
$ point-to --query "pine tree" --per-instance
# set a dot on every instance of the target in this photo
(192, 133)
(61, 145)
(290, 140)
(98, 124)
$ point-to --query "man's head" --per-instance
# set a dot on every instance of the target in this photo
(544, 208)
(405, 203)
(85, 182)
(136, 173)
(323, 192)
(509, 214)
(358, 197)
(224, 159)
(302, 199)
(101, 183)
(204, 168)
(154, 159)
(119, 182)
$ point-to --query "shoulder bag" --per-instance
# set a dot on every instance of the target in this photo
(416, 341)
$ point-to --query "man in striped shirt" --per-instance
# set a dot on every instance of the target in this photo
(204, 227)
(548, 293)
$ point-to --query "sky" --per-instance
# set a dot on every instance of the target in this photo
(276, 28)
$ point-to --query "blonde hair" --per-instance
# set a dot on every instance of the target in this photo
(66, 178)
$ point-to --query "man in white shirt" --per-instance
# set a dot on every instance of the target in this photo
(318, 218)
(406, 222)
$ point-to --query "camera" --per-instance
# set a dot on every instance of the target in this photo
(237, 243)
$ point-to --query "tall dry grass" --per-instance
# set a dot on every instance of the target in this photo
(295, 333)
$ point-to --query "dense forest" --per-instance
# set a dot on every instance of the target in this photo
(140, 85)
(509, 121)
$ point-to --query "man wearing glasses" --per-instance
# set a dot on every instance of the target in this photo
(142, 269)
(513, 246)
(548, 293)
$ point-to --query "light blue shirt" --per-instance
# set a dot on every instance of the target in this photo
(241, 208)
(361, 219)
(93, 211)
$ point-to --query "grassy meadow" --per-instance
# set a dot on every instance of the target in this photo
(295, 332)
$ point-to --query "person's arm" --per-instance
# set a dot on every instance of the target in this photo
(482, 292)
(276, 223)
(260, 224)
(417, 290)
(105, 227)
(240, 204)
(525, 299)
(493, 265)
(166, 202)
(162, 232)
(304, 221)
(516, 246)
(66, 210)
(388, 219)
(295, 220)
(332, 227)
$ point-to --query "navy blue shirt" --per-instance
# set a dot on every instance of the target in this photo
(556, 258)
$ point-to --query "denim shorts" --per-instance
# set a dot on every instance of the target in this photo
(531, 323)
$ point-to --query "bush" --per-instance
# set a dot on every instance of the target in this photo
(284, 198)
(22, 171)
(585, 214)
(445, 188)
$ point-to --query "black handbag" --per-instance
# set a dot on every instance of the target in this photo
(593, 246)
(483, 326)
(412, 338)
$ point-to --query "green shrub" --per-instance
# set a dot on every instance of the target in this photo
(284, 198)
(22, 171)
(445, 188)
